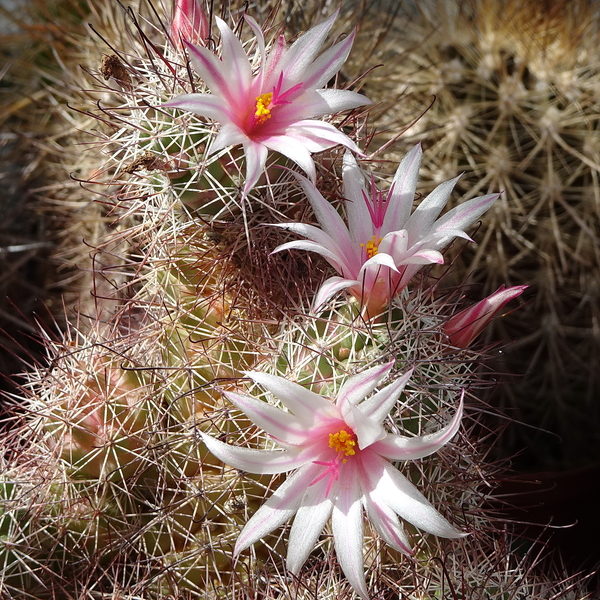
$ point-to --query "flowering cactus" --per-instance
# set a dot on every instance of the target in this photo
(273, 109)
(383, 245)
(120, 430)
(341, 452)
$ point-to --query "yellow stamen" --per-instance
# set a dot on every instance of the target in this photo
(343, 441)
(263, 110)
(372, 246)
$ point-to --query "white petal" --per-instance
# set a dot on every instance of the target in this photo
(309, 407)
(328, 64)
(317, 103)
(281, 425)
(205, 105)
(233, 55)
(386, 523)
(330, 287)
(211, 71)
(377, 261)
(403, 192)
(366, 430)
(357, 387)
(278, 509)
(420, 222)
(294, 150)
(463, 215)
(378, 406)
(407, 502)
(347, 526)
(360, 222)
(396, 447)
(335, 260)
(229, 135)
(304, 50)
(329, 219)
(310, 519)
(261, 462)
(318, 135)
(256, 158)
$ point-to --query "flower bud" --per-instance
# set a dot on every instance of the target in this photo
(190, 23)
(464, 327)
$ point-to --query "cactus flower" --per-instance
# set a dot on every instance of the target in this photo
(341, 454)
(190, 23)
(384, 245)
(273, 108)
(465, 326)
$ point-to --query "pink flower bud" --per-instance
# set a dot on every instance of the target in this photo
(189, 23)
(464, 327)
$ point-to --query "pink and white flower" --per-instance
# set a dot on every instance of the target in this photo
(340, 453)
(384, 245)
(273, 108)
(465, 326)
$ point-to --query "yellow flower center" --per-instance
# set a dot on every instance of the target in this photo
(263, 110)
(343, 441)
(372, 246)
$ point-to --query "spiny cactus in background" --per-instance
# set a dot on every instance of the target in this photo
(507, 94)
(108, 488)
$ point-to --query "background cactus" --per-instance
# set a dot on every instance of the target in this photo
(504, 92)
(106, 487)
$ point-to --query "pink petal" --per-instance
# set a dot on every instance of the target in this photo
(278, 509)
(396, 447)
(464, 327)
(261, 462)
(347, 526)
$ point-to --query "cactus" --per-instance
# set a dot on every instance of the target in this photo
(504, 93)
(108, 487)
